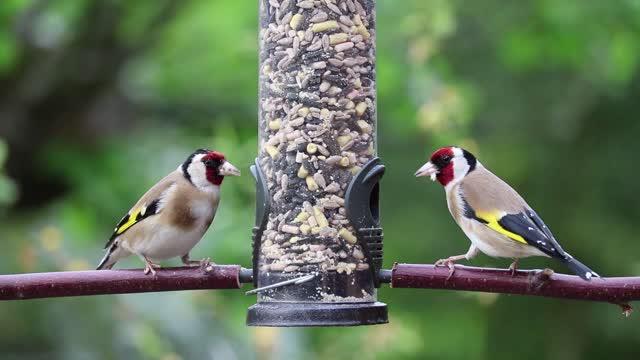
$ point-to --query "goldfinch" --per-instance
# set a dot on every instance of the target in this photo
(493, 215)
(170, 218)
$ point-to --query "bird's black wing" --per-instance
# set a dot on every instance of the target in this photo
(533, 230)
(133, 217)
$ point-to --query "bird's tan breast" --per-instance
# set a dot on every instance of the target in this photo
(186, 214)
(191, 207)
(454, 203)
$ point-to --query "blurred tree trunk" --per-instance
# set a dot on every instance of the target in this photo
(68, 89)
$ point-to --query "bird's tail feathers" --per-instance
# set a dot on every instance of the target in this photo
(579, 268)
(109, 259)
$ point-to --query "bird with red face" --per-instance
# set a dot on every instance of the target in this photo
(492, 214)
(171, 218)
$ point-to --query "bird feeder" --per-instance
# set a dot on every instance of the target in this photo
(317, 242)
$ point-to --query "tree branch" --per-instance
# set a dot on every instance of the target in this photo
(619, 290)
(545, 283)
(82, 283)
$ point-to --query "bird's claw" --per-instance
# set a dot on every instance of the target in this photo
(513, 267)
(443, 262)
(450, 263)
(150, 268)
(206, 262)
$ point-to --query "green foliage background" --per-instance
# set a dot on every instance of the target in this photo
(99, 99)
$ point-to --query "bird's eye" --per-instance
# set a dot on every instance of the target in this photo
(212, 163)
(446, 158)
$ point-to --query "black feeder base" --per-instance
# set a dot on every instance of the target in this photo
(288, 314)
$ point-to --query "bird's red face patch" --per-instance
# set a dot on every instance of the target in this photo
(212, 161)
(214, 155)
(442, 159)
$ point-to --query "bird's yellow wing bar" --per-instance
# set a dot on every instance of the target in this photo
(133, 217)
(491, 219)
(129, 222)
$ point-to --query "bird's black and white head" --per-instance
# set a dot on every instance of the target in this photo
(449, 165)
(206, 169)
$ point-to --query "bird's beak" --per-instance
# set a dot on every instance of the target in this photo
(428, 169)
(227, 169)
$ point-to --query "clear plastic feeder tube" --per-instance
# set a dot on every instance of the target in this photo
(317, 130)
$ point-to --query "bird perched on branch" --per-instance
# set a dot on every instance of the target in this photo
(170, 218)
(494, 217)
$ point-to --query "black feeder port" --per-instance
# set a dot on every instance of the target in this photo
(324, 298)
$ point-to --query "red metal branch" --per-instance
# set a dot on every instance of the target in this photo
(81, 283)
(618, 290)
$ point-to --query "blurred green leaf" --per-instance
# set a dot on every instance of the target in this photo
(8, 52)
(3, 153)
(624, 56)
(7, 191)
